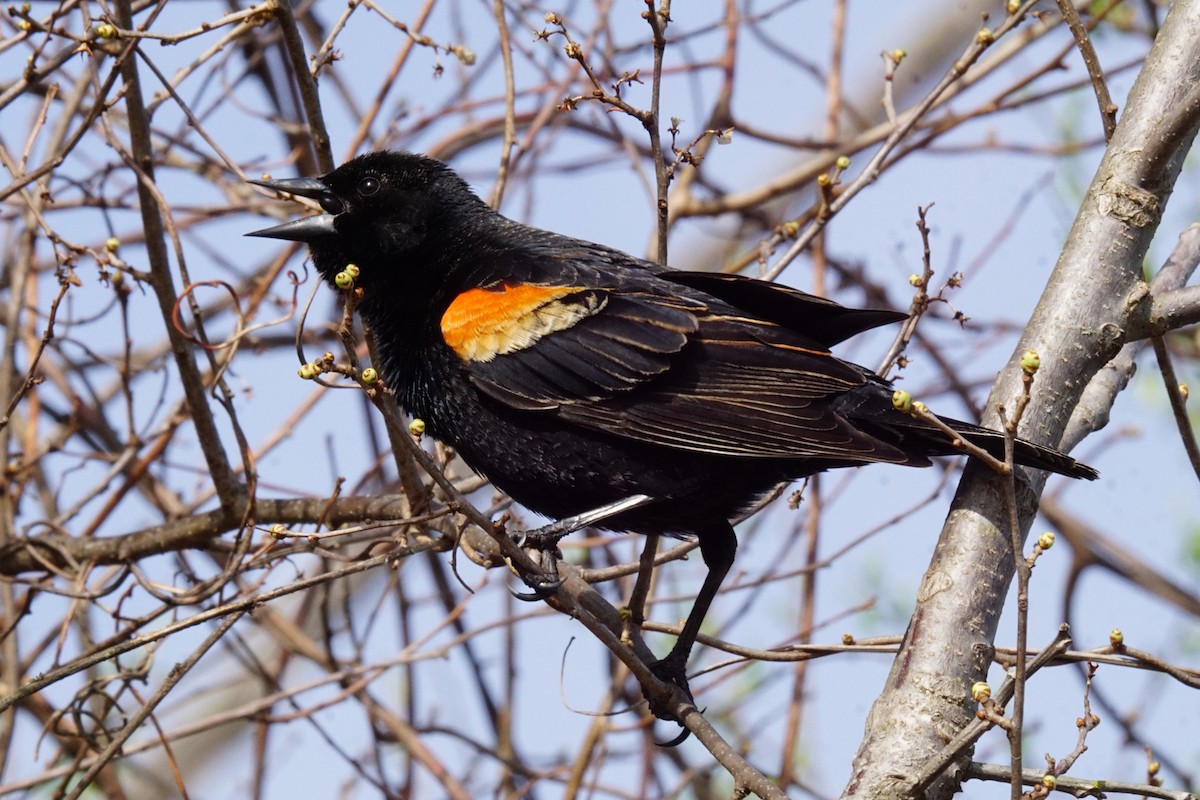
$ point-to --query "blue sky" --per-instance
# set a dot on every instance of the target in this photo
(999, 216)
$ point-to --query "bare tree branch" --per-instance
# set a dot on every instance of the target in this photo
(1078, 326)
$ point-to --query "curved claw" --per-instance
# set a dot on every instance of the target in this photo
(541, 591)
(528, 597)
(678, 740)
(672, 670)
(684, 733)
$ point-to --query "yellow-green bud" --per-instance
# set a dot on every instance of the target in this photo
(824, 180)
(920, 407)
(1049, 781)
(112, 244)
(899, 55)
(24, 25)
(343, 280)
(1116, 638)
(843, 162)
(307, 372)
(1153, 767)
(1183, 392)
(1030, 362)
(106, 31)
(984, 36)
(417, 426)
(464, 54)
(1012, 6)
(370, 375)
(1046, 540)
(848, 639)
(790, 228)
(351, 270)
(573, 50)
(902, 401)
(981, 692)
(916, 280)
(277, 531)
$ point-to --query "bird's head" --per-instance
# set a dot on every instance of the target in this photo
(378, 207)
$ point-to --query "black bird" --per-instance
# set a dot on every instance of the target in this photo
(575, 376)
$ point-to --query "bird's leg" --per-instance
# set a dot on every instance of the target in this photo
(718, 545)
(545, 540)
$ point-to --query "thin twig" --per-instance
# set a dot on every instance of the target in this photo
(1023, 571)
(83, 782)
(1108, 109)
(1178, 408)
(1079, 787)
(900, 130)
(510, 125)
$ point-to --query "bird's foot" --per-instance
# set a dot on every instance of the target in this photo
(671, 670)
(544, 541)
(546, 581)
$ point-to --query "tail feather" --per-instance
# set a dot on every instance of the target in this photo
(870, 410)
(1025, 452)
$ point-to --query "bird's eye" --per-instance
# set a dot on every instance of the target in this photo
(368, 186)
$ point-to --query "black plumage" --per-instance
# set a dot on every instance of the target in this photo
(573, 375)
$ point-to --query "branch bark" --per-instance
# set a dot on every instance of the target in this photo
(1079, 325)
(65, 551)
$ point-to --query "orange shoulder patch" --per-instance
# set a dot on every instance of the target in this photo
(481, 324)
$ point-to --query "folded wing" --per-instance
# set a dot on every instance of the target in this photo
(670, 363)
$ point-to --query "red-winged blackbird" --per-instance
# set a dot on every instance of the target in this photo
(574, 376)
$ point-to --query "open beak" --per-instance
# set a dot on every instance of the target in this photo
(300, 230)
(307, 228)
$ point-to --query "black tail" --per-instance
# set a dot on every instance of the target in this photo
(870, 409)
(1025, 452)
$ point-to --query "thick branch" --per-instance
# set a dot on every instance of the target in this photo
(1079, 325)
(1172, 305)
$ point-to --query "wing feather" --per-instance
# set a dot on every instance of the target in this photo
(621, 342)
(746, 399)
(673, 366)
(820, 319)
